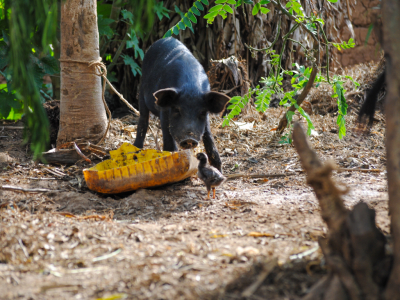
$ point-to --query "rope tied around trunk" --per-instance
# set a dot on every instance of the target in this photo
(100, 70)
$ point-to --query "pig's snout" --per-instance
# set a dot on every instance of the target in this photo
(189, 143)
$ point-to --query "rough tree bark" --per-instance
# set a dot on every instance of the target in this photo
(82, 113)
(391, 42)
(354, 248)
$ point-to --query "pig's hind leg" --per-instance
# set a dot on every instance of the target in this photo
(211, 149)
(143, 125)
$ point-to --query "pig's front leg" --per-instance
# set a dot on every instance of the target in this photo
(211, 149)
(143, 125)
(168, 140)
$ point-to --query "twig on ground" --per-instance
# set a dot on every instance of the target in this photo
(236, 176)
(12, 127)
(261, 277)
(55, 172)
(359, 170)
(81, 154)
(44, 178)
(20, 189)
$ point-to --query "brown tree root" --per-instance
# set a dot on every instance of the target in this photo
(354, 248)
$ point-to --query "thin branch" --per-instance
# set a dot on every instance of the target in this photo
(293, 18)
(274, 41)
(118, 53)
(298, 43)
(283, 122)
(326, 50)
(282, 50)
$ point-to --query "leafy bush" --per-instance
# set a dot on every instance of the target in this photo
(272, 83)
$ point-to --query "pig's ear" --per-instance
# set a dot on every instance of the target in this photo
(216, 102)
(166, 97)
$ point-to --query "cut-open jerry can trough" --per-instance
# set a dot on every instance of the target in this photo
(131, 168)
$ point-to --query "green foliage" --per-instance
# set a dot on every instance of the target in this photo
(134, 34)
(104, 26)
(237, 103)
(187, 18)
(241, 2)
(133, 42)
(28, 28)
(129, 61)
(295, 6)
(300, 77)
(337, 85)
(258, 7)
(344, 45)
(8, 104)
(103, 9)
(161, 11)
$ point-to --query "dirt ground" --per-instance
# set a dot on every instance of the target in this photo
(68, 242)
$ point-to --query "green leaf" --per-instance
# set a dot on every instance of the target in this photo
(160, 10)
(216, 8)
(168, 33)
(187, 22)
(4, 58)
(129, 61)
(192, 17)
(228, 9)
(205, 2)
(103, 9)
(289, 116)
(181, 25)
(211, 15)
(370, 27)
(220, 1)
(195, 11)
(179, 11)
(7, 101)
(333, 1)
(104, 26)
(264, 10)
(37, 73)
(232, 2)
(256, 8)
(175, 30)
(134, 43)
(111, 77)
(127, 15)
(199, 5)
(222, 13)
(49, 65)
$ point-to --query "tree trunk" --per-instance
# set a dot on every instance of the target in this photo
(55, 80)
(82, 113)
(391, 36)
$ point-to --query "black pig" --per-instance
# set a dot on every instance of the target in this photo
(175, 88)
